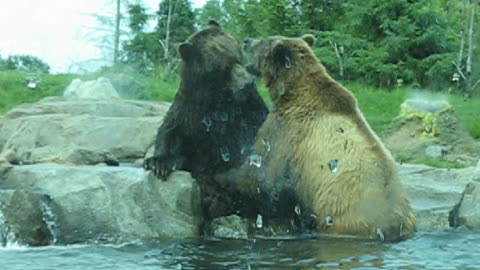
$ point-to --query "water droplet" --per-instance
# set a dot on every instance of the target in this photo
(259, 221)
(412, 133)
(225, 154)
(340, 130)
(179, 266)
(333, 165)
(329, 221)
(266, 144)
(258, 190)
(380, 234)
(376, 163)
(220, 116)
(298, 210)
(207, 122)
(255, 160)
(401, 229)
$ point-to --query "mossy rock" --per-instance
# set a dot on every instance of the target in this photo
(430, 132)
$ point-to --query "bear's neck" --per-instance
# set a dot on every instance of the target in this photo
(311, 90)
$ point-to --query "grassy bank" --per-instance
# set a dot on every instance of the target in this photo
(14, 90)
(379, 106)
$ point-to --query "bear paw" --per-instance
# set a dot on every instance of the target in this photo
(161, 166)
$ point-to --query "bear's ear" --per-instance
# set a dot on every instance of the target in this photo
(188, 52)
(213, 23)
(310, 39)
(281, 57)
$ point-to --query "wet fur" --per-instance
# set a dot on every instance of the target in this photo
(314, 120)
(212, 123)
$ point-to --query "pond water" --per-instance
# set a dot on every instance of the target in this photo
(447, 249)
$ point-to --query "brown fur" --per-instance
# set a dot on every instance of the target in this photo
(214, 118)
(314, 120)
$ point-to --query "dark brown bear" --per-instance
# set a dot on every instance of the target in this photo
(217, 111)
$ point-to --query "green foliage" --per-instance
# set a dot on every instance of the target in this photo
(212, 10)
(182, 21)
(147, 50)
(27, 63)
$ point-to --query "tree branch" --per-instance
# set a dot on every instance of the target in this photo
(459, 70)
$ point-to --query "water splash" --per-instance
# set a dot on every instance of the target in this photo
(267, 145)
(3, 227)
(259, 221)
(7, 238)
(225, 154)
(298, 210)
(380, 234)
(329, 221)
(255, 160)
(333, 165)
(207, 122)
(49, 218)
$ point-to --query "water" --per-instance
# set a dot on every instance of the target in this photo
(449, 249)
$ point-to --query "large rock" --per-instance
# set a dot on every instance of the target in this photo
(109, 204)
(127, 86)
(22, 218)
(100, 88)
(434, 192)
(467, 211)
(430, 131)
(60, 130)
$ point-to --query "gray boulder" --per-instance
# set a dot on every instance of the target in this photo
(127, 86)
(109, 204)
(433, 192)
(61, 131)
(22, 218)
(100, 88)
(467, 211)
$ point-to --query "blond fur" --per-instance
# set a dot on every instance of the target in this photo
(315, 120)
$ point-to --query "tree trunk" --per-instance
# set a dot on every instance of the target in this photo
(116, 44)
(166, 46)
(468, 67)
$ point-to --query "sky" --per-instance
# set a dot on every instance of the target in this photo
(55, 31)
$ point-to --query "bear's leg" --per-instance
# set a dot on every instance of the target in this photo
(168, 155)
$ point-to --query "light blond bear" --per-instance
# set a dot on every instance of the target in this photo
(317, 141)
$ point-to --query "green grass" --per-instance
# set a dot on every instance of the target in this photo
(14, 90)
(378, 105)
(439, 163)
(381, 106)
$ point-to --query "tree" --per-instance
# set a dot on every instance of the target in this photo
(175, 23)
(464, 64)
(111, 30)
(27, 63)
(213, 9)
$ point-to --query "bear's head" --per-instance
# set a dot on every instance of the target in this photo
(214, 57)
(278, 57)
